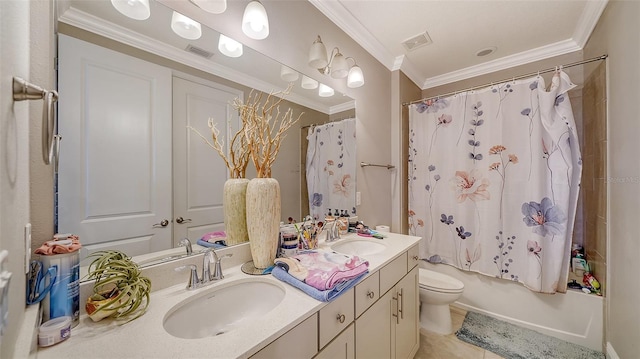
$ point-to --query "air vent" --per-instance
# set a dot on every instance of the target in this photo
(417, 41)
(200, 52)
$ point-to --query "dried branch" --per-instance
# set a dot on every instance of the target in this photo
(265, 127)
(237, 159)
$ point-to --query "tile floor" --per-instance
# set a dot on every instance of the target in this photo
(436, 346)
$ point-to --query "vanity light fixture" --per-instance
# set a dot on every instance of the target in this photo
(335, 65)
(212, 6)
(229, 47)
(185, 27)
(325, 91)
(255, 22)
(135, 9)
(308, 83)
(288, 74)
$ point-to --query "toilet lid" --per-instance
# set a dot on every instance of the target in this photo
(439, 282)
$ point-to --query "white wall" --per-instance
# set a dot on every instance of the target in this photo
(14, 159)
(618, 34)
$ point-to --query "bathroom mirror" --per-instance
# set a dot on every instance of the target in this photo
(152, 43)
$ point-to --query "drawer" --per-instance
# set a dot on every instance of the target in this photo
(299, 342)
(413, 257)
(335, 317)
(393, 272)
(367, 292)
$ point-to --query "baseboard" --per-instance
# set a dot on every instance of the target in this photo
(611, 354)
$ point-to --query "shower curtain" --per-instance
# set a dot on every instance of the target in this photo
(331, 168)
(494, 176)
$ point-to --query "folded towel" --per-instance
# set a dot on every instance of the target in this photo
(216, 245)
(59, 246)
(213, 237)
(293, 267)
(321, 295)
(325, 269)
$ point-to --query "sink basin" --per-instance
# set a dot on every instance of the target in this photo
(219, 310)
(359, 247)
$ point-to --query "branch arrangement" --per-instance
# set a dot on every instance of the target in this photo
(238, 157)
(265, 127)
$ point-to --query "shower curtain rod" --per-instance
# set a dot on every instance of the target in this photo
(599, 58)
(313, 124)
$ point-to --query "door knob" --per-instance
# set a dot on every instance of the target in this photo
(181, 220)
(162, 223)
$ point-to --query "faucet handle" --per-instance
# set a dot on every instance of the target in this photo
(194, 281)
(217, 269)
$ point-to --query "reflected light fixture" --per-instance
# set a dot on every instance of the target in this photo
(229, 47)
(212, 6)
(288, 74)
(185, 27)
(135, 9)
(335, 65)
(325, 91)
(255, 22)
(308, 83)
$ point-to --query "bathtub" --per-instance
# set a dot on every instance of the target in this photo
(573, 316)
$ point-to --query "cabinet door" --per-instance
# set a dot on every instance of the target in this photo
(335, 317)
(407, 336)
(342, 347)
(373, 330)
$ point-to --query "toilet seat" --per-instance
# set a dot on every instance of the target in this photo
(438, 282)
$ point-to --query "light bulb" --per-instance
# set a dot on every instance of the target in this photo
(255, 22)
(135, 9)
(229, 47)
(212, 6)
(356, 77)
(185, 27)
(325, 91)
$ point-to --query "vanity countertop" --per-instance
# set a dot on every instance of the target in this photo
(145, 337)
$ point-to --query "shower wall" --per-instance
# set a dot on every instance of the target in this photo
(594, 176)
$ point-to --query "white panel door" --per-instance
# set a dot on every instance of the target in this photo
(198, 171)
(115, 157)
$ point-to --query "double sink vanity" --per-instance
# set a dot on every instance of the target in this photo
(258, 316)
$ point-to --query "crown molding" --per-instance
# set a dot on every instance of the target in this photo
(525, 57)
(342, 107)
(340, 16)
(588, 20)
(409, 69)
(96, 25)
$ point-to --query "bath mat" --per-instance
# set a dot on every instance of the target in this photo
(514, 342)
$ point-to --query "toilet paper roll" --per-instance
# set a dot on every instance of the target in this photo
(382, 228)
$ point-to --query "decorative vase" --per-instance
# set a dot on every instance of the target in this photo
(234, 202)
(263, 220)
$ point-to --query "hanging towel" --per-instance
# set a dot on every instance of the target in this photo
(325, 269)
(321, 295)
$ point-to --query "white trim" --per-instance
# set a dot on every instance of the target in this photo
(94, 24)
(342, 107)
(525, 57)
(339, 15)
(409, 69)
(611, 353)
(588, 20)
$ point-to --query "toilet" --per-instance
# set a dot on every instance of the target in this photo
(437, 291)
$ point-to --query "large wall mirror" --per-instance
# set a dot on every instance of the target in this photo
(132, 176)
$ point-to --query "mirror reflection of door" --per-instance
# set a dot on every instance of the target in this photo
(115, 156)
(130, 178)
(198, 171)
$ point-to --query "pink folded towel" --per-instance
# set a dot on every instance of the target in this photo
(60, 246)
(211, 237)
(326, 269)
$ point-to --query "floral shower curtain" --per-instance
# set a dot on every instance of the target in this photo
(331, 168)
(494, 176)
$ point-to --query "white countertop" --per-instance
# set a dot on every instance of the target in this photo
(145, 337)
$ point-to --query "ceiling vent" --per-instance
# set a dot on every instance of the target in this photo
(200, 52)
(417, 41)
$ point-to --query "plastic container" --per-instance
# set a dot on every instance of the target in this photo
(579, 265)
(289, 241)
(54, 331)
(64, 297)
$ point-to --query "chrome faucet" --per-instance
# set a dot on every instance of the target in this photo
(332, 230)
(209, 256)
(185, 242)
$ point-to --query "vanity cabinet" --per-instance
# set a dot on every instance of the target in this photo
(299, 342)
(342, 347)
(394, 316)
(335, 317)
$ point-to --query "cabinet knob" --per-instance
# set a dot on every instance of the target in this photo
(370, 294)
(341, 318)
(415, 258)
